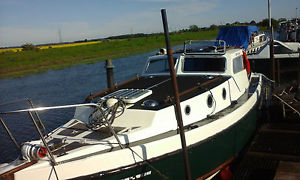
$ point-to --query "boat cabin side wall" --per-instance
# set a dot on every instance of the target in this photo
(197, 108)
(233, 67)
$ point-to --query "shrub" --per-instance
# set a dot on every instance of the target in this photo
(29, 47)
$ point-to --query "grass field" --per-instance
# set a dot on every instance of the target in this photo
(22, 63)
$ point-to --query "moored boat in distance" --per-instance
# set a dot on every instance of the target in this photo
(288, 31)
(257, 47)
(250, 38)
(130, 131)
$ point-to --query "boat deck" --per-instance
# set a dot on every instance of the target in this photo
(162, 91)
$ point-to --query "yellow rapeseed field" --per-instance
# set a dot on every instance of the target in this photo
(51, 46)
(10, 50)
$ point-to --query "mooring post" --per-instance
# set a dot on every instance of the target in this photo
(176, 95)
(298, 80)
(109, 73)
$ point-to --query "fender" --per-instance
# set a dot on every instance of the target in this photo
(246, 63)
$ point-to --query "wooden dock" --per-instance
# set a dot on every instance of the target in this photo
(274, 152)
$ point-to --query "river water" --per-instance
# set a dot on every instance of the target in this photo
(56, 87)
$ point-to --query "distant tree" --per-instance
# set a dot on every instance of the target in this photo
(213, 27)
(29, 47)
(193, 28)
(252, 22)
(265, 23)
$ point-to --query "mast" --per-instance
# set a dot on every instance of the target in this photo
(176, 95)
(271, 42)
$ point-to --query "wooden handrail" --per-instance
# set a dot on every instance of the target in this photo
(105, 91)
(170, 99)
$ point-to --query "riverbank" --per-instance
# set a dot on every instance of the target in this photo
(18, 64)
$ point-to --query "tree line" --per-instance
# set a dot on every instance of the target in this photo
(264, 23)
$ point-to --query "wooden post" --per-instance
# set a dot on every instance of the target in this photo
(109, 73)
(176, 95)
(298, 80)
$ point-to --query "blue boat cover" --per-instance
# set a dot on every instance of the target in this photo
(236, 35)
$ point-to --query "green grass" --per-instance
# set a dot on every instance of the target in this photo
(28, 62)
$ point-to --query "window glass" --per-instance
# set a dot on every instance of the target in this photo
(204, 64)
(238, 64)
(159, 65)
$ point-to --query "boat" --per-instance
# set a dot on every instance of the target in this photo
(130, 131)
(286, 55)
(257, 47)
(250, 38)
(288, 31)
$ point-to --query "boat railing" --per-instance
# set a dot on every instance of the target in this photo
(209, 47)
(29, 101)
(34, 111)
(255, 47)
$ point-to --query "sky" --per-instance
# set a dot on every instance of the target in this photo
(52, 21)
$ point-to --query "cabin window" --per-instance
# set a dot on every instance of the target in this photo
(224, 93)
(204, 64)
(159, 65)
(187, 110)
(209, 101)
(238, 65)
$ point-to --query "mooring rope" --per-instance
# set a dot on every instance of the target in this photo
(148, 163)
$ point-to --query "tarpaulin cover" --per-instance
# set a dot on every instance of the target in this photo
(236, 35)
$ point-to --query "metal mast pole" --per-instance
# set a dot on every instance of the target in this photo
(296, 25)
(271, 41)
(176, 95)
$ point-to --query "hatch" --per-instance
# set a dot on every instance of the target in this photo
(129, 95)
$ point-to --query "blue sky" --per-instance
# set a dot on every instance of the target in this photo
(39, 21)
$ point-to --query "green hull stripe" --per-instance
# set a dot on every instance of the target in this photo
(204, 156)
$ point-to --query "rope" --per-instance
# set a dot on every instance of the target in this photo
(152, 167)
(100, 117)
(295, 110)
(103, 115)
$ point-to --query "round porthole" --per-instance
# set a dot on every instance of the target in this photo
(187, 110)
(209, 101)
(224, 93)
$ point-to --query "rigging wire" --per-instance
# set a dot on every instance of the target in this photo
(148, 163)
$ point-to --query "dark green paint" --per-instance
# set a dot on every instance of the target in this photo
(204, 156)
